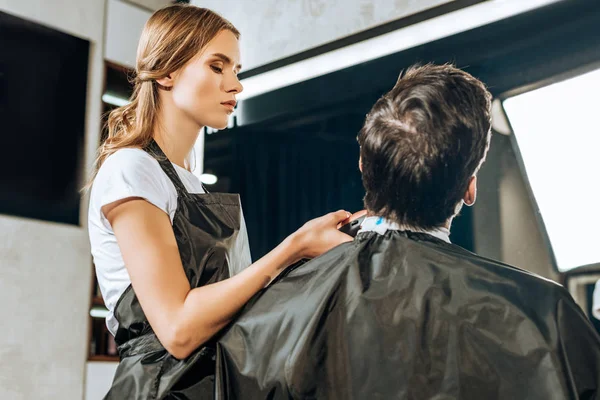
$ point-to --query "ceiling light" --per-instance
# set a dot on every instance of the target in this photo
(114, 100)
(208, 179)
(99, 312)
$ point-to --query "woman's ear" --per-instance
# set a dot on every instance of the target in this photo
(165, 83)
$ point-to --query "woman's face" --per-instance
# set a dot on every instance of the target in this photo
(205, 88)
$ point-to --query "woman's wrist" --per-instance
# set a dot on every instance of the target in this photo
(293, 247)
(277, 260)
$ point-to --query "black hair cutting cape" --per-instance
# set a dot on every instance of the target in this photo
(407, 316)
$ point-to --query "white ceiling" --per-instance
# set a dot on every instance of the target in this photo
(150, 4)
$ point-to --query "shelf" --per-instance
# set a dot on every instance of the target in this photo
(97, 301)
(104, 358)
(101, 344)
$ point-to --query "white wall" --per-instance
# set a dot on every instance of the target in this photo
(99, 378)
(522, 241)
(45, 268)
(505, 222)
(274, 29)
(44, 287)
(124, 25)
(151, 4)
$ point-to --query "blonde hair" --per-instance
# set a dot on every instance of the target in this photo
(171, 38)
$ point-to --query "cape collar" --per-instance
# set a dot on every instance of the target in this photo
(381, 225)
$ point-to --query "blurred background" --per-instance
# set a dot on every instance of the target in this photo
(312, 70)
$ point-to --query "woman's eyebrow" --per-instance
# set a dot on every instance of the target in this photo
(226, 60)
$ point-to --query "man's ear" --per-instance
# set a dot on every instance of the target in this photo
(471, 193)
(165, 83)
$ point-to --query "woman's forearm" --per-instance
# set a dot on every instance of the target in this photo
(207, 309)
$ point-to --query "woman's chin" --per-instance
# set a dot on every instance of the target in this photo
(217, 124)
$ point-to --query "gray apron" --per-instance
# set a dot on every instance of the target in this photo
(213, 245)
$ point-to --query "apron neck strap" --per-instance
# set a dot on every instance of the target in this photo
(155, 151)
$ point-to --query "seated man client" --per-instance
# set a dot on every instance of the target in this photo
(401, 312)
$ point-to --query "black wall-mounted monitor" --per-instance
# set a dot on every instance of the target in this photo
(43, 82)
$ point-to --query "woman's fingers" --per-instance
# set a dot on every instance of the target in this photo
(354, 216)
(340, 216)
(321, 234)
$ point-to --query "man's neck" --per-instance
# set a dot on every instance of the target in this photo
(382, 225)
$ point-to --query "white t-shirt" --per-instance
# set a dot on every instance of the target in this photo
(127, 173)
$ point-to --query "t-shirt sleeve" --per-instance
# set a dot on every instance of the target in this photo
(131, 173)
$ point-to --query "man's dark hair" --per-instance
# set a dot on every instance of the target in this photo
(422, 142)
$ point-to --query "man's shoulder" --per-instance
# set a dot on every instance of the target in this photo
(531, 288)
(426, 256)
(510, 271)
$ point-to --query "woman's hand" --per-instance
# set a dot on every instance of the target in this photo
(320, 235)
(354, 216)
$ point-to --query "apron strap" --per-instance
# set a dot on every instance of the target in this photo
(155, 151)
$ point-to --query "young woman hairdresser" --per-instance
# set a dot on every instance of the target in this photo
(172, 260)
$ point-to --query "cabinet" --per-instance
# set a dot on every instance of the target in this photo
(102, 346)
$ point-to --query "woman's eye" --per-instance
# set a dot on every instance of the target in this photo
(217, 69)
